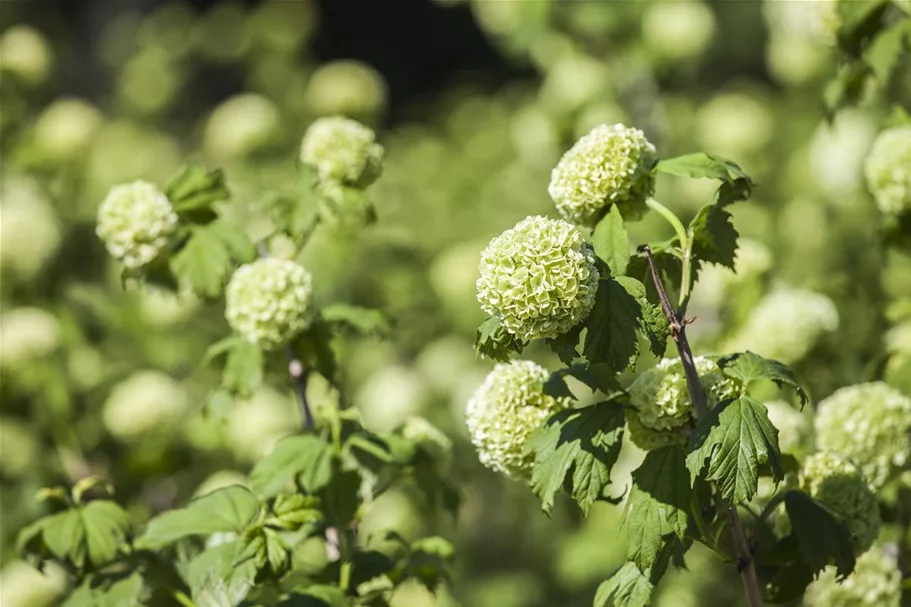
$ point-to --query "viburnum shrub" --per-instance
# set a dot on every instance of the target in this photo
(712, 468)
(240, 544)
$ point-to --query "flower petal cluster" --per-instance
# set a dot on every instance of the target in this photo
(136, 222)
(350, 88)
(29, 229)
(786, 325)
(539, 278)
(343, 151)
(888, 170)
(870, 424)
(143, 402)
(875, 582)
(503, 413)
(241, 125)
(267, 301)
(662, 401)
(66, 128)
(610, 165)
(26, 335)
(840, 484)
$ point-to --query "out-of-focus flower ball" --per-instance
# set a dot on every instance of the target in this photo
(610, 165)
(678, 30)
(716, 282)
(18, 447)
(136, 222)
(794, 428)
(888, 170)
(503, 413)
(786, 325)
(164, 308)
(539, 278)
(875, 582)
(142, 403)
(837, 153)
(241, 125)
(27, 335)
(734, 125)
(25, 53)
(662, 401)
(390, 396)
(267, 301)
(341, 150)
(573, 81)
(220, 480)
(29, 230)
(150, 81)
(427, 436)
(255, 425)
(870, 424)
(65, 128)
(346, 88)
(841, 485)
(21, 585)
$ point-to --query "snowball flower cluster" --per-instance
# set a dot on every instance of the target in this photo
(136, 222)
(143, 402)
(840, 484)
(345, 87)
(66, 128)
(29, 230)
(266, 301)
(876, 581)
(786, 325)
(888, 170)
(662, 401)
(241, 125)
(504, 412)
(26, 335)
(539, 278)
(25, 53)
(610, 165)
(343, 151)
(870, 424)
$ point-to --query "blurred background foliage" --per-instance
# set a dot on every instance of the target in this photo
(475, 101)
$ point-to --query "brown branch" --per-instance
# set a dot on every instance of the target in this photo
(745, 565)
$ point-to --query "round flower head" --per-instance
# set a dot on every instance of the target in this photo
(662, 401)
(241, 125)
(888, 170)
(266, 301)
(29, 229)
(840, 484)
(143, 402)
(66, 128)
(504, 412)
(345, 87)
(875, 582)
(610, 165)
(870, 424)
(136, 222)
(344, 151)
(27, 335)
(539, 278)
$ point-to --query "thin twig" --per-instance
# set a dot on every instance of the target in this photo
(745, 565)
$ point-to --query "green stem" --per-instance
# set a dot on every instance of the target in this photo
(344, 576)
(183, 599)
(686, 244)
(706, 539)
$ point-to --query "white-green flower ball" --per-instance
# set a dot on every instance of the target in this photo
(347, 88)
(786, 325)
(662, 404)
(343, 151)
(65, 128)
(610, 165)
(795, 432)
(19, 447)
(503, 413)
(267, 301)
(136, 222)
(22, 585)
(870, 424)
(678, 30)
(888, 170)
(255, 425)
(27, 335)
(840, 484)
(241, 125)
(142, 403)
(875, 582)
(539, 278)
(29, 229)
(25, 53)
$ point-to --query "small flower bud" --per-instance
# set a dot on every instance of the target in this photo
(539, 278)
(503, 413)
(267, 301)
(136, 222)
(342, 151)
(610, 165)
(888, 170)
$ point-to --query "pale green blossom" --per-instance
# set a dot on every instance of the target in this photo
(267, 301)
(241, 125)
(875, 582)
(888, 170)
(136, 222)
(27, 335)
(342, 151)
(610, 165)
(505, 410)
(142, 403)
(25, 53)
(29, 229)
(66, 128)
(679, 29)
(348, 88)
(539, 278)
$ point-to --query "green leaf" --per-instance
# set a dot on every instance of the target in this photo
(612, 324)
(736, 437)
(658, 504)
(565, 346)
(307, 458)
(653, 323)
(747, 367)
(117, 590)
(628, 587)
(313, 347)
(583, 443)
(341, 497)
(207, 259)
(861, 21)
(822, 538)
(317, 596)
(243, 374)
(736, 184)
(64, 536)
(362, 321)
(228, 509)
(492, 340)
(107, 527)
(714, 236)
(611, 241)
(194, 188)
(847, 88)
(217, 576)
(885, 52)
(429, 561)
